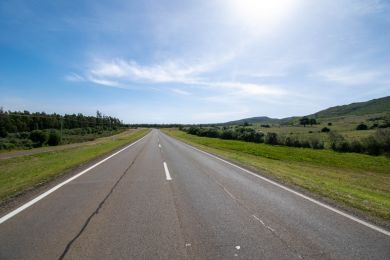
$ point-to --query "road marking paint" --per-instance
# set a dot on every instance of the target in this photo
(168, 176)
(362, 222)
(159, 145)
(43, 195)
(238, 247)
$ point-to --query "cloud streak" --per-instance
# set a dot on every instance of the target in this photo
(121, 73)
(350, 76)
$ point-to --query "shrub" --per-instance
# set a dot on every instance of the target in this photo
(315, 143)
(24, 135)
(54, 138)
(362, 126)
(3, 132)
(338, 142)
(325, 130)
(329, 124)
(271, 138)
(228, 134)
(38, 137)
(356, 147)
(373, 147)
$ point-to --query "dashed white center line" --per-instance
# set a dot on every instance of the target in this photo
(159, 145)
(167, 172)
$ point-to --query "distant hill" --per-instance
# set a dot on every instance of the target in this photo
(261, 120)
(373, 106)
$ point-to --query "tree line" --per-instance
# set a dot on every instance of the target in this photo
(16, 121)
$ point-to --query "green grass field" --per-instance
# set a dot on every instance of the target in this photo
(355, 180)
(21, 173)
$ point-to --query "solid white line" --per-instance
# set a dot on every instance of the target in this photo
(369, 225)
(168, 176)
(43, 195)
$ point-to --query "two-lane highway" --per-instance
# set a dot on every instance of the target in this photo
(162, 199)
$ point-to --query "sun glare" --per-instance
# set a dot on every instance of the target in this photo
(264, 13)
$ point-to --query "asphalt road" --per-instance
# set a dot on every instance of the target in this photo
(131, 207)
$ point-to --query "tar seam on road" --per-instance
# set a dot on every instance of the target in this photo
(43, 195)
(98, 208)
(362, 222)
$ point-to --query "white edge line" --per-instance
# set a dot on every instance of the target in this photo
(369, 225)
(167, 172)
(43, 195)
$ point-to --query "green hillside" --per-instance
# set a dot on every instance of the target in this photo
(374, 106)
(261, 120)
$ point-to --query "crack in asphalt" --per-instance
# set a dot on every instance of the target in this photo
(96, 211)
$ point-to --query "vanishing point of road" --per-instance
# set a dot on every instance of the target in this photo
(161, 199)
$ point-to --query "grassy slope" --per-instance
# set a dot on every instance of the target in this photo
(356, 180)
(379, 105)
(21, 173)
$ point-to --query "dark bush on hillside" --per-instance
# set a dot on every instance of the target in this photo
(3, 132)
(54, 138)
(336, 141)
(372, 146)
(271, 138)
(38, 137)
(377, 144)
(24, 135)
(228, 134)
(375, 125)
(265, 126)
(193, 130)
(356, 147)
(329, 124)
(211, 132)
(325, 130)
(315, 143)
(362, 127)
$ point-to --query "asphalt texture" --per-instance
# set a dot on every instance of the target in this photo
(125, 208)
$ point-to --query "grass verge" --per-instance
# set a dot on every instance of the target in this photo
(356, 180)
(22, 173)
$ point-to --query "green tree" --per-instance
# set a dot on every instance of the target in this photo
(38, 137)
(362, 126)
(54, 138)
(271, 138)
(304, 121)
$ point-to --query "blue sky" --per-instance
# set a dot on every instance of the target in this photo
(192, 61)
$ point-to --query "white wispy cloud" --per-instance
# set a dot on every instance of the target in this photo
(248, 89)
(74, 77)
(350, 76)
(181, 92)
(121, 73)
(166, 72)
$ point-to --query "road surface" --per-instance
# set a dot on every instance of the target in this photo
(161, 199)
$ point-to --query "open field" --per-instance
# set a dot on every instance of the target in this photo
(20, 173)
(344, 125)
(355, 180)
